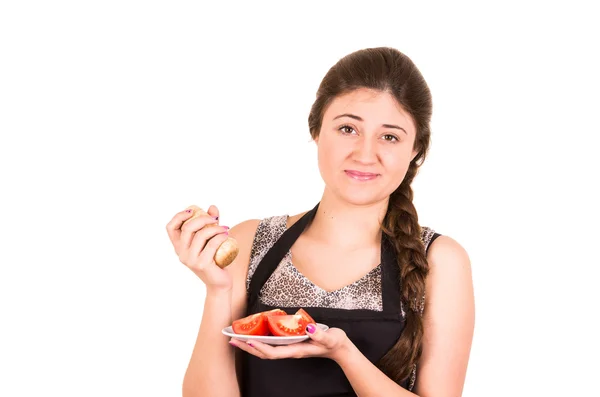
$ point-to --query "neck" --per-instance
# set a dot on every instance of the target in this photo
(347, 226)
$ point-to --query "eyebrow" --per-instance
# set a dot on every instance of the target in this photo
(353, 116)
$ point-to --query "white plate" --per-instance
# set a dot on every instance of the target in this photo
(271, 340)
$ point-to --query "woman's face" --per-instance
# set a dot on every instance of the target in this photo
(365, 146)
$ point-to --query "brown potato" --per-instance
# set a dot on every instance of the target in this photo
(227, 251)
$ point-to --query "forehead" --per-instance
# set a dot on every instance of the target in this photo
(370, 105)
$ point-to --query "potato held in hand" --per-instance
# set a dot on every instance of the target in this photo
(227, 251)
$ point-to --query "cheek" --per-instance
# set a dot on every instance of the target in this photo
(326, 162)
(396, 162)
(329, 154)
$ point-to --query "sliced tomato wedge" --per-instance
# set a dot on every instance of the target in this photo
(288, 325)
(307, 318)
(254, 324)
(274, 312)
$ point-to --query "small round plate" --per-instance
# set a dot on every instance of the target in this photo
(271, 340)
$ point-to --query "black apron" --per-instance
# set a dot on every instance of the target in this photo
(373, 332)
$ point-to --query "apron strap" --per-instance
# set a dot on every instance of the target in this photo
(273, 257)
(390, 277)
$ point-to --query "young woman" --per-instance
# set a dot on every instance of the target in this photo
(398, 297)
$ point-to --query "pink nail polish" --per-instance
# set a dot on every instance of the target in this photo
(232, 343)
(250, 344)
(311, 328)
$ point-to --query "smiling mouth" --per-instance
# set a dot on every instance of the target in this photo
(361, 176)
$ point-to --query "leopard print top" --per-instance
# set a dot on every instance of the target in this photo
(287, 287)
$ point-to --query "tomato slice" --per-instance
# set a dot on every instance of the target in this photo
(307, 318)
(254, 324)
(274, 312)
(288, 325)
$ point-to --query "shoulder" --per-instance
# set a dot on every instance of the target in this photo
(264, 232)
(251, 231)
(446, 254)
(246, 231)
(449, 284)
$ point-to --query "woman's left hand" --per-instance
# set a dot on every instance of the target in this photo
(328, 344)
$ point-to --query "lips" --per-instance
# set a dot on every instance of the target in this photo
(361, 176)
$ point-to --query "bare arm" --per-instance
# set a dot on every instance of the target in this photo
(448, 322)
(211, 370)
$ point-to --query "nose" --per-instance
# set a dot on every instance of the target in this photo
(365, 151)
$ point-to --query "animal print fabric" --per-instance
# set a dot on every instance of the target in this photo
(287, 287)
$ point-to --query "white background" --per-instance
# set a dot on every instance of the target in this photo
(115, 115)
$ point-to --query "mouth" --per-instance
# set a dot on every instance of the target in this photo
(361, 176)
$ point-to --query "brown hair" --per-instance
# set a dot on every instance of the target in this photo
(387, 69)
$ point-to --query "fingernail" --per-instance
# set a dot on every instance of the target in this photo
(188, 211)
(232, 343)
(311, 328)
(250, 344)
(216, 218)
(226, 227)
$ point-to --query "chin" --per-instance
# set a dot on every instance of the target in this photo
(361, 197)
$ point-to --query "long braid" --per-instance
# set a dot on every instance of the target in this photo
(402, 225)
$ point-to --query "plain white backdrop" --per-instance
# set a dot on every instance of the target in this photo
(115, 115)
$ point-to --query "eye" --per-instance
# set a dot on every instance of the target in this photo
(346, 129)
(390, 138)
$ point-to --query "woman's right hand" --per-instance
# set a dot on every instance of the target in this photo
(196, 243)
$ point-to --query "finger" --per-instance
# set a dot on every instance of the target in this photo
(201, 237)
(174, 226)
(245, 347)
(214, 212)
(318, 335)
(210, 249)
(189, 229)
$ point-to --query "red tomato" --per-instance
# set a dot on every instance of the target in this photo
(288, 325)
(254, 324)
(307, 318)
(274, 312)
